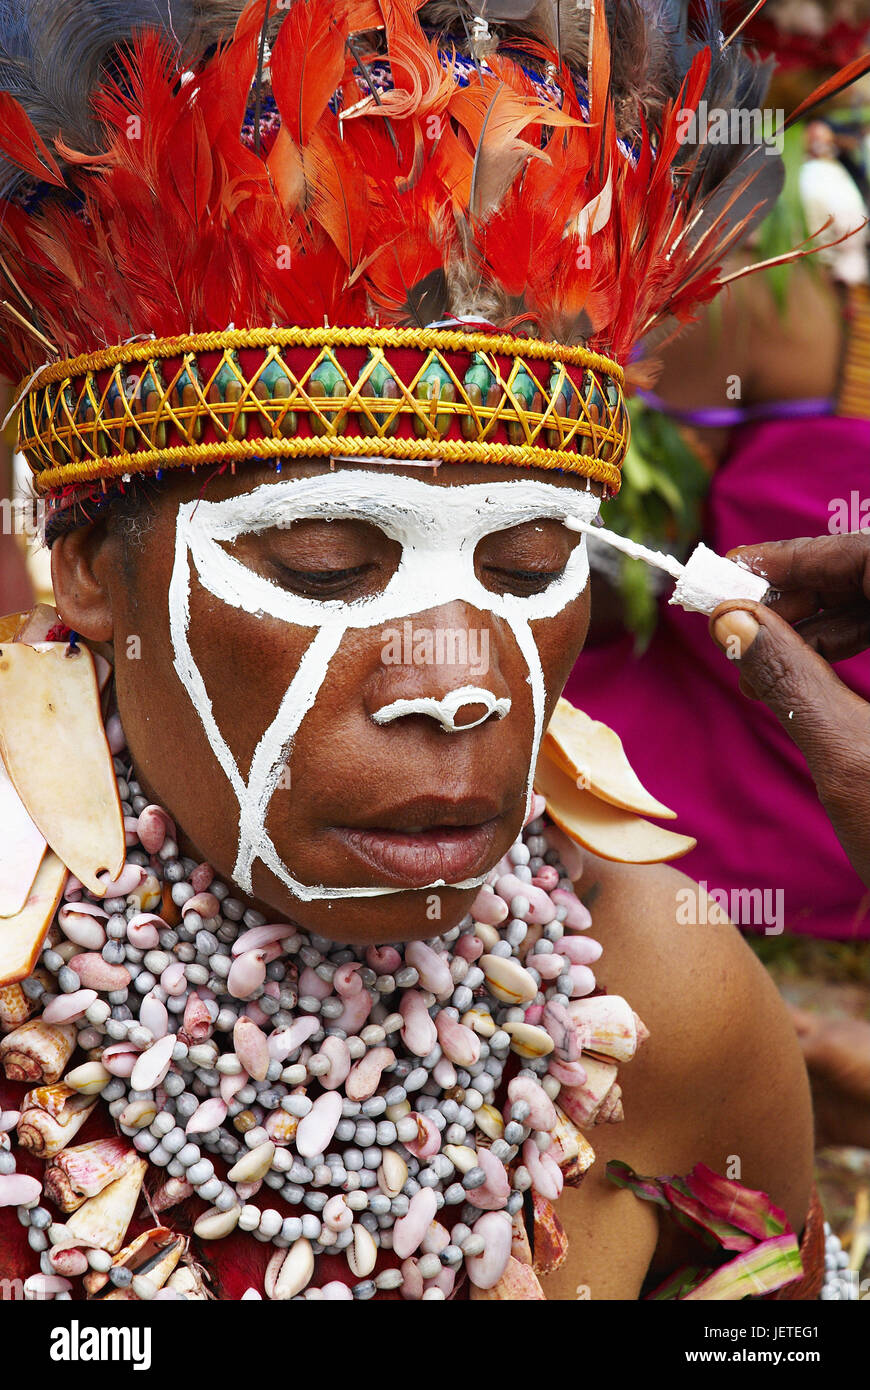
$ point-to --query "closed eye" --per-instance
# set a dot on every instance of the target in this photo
(521, 581)
(339, 583)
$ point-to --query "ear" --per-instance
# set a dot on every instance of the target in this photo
(79, 573)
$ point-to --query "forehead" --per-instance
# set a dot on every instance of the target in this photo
(410, 504)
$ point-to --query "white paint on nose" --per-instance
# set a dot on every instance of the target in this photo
(445, 710)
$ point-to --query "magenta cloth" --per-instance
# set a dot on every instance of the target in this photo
(722, 762)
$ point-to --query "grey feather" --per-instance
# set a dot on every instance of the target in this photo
(54, 53)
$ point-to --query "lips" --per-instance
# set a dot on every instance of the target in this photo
(425, 840)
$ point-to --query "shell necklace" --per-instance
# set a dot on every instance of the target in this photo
(374, 1090)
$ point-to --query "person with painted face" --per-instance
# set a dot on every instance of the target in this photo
(318, 336)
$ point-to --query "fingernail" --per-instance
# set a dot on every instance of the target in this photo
(735, 632)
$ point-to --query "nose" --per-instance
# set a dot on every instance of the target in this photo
(443, 666)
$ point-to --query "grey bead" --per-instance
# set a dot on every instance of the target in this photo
(68, 981)
(455, 1194)
(182, 893)
(475, 1177)
(117, 996)
(114, 1089)
(462, 998)
(514, 1203)
(311, 1226)
(119, 1276)
(53, 961)
(7, 1163)
(37, 1240)
(364, 1289)
(41, 1218)
(345, 1130)
(33, 988)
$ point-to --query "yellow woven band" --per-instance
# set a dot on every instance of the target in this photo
(396, 393)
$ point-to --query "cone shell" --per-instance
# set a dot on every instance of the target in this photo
(610, 1024)
(593, 1102)
(155, 1254)
(36, 1051)
(76, 1174)
(569, 1147)
(103, 1219)
(518, 1284)
(15, 1007)
(51, 1116)
(551, 1242)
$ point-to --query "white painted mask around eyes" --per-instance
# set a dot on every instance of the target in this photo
(438, 529)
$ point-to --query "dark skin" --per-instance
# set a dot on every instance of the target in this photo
(721, 1074)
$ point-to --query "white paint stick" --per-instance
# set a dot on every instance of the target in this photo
(706, 579)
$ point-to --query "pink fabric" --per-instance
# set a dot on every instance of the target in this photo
(724, 764)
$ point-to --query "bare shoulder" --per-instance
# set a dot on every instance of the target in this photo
(720, 1080)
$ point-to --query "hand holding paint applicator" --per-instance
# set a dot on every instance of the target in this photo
(706, 579)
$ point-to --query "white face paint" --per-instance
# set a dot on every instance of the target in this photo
(446, 709)
(438, 528)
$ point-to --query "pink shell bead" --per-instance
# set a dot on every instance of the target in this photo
(173, 978)
(119, 1059)
(493, 1194)
(337, 1214)
(346, 980)
(428, 1141)
(496, 1230)
(251, 1048)
(544, 1171)
(143, 931)
(206, 904)
(580, 950)
(319, 1125)
(547, 878)
(83, 924)
(209, 1115)
(542, 1112)
(365, 1075)
(247, 973)
(418, 1031)
(258, 937)
(578, 916)
(153, 1064)
(541, 907)
(286, 1040)
(337, 1053)
(568, 1073)
(96, 973)
(384, 960)
(202, 878)
(458, 1043)
(69, 1263)
(409, 1230)
(470, 947)
(67, 1007)
(129, 879)
(17, 1189)
(154, 826)
(311, 983)
(549, 967)
(355, 1012)
(433, 969)
(489, 908)
(153, 1015)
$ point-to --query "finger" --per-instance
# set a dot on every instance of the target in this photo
(824, 564)
(797, 604)
(814, 706)
(839, 634)
(827, 721)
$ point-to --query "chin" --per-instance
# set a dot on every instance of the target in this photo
(411, 915)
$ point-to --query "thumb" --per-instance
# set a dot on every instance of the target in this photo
(818, 712)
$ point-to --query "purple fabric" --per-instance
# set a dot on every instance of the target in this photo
(723, 763)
